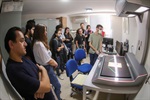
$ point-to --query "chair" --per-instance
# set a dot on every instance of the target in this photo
(71, 67)
(79, 56)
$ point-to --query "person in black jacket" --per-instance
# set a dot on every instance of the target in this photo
(68, 41)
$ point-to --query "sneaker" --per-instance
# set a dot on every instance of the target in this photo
(88, 92)
(60, 77)
(62, 72)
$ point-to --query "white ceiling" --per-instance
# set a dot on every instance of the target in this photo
(71, 7)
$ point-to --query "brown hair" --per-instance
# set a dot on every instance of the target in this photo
(40, 36)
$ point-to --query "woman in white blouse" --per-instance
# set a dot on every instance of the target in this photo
(43, 55)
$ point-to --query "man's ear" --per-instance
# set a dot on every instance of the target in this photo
(11, 44)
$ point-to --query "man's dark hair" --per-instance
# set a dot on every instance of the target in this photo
(11, 35)
(99, 26)
(29, 25)
(58, 27)
(87, 26)
(31, 21)
(81, 24)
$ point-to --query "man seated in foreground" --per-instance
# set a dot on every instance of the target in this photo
(30, 80)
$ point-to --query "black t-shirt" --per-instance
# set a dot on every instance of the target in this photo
(68, 36)
(24, 77)
(56, 44)
(29, 49)
(88, 35)
(80, 39)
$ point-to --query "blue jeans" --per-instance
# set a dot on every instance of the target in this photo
(60, 65)
(93, 58)
(54, 81)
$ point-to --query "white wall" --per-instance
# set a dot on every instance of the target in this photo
(142, 36)
(131, 34)
(26, 17)
(112, 25)
(76, 24)
(144, 93)
(116, 28)
(137, 31)
(8, 20)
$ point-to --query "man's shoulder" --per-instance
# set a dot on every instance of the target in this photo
(12, 66)
(11, 62)
(92, 35)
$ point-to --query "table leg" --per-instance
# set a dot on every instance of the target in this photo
(84, 93)
(96, 95)
(108, 96)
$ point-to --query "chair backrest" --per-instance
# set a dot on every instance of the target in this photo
(71, 67)
(79, 54)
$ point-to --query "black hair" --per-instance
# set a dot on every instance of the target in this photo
(87, 26)
(66, 29)
(29, 25)
(11, 35)
(58, 27)
(81, 24)
(31, 21)
(99, 26)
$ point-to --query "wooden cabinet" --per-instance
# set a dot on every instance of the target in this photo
(63, 21)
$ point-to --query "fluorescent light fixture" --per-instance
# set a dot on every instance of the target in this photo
(131, 15)
(141, 9)
(88, 9)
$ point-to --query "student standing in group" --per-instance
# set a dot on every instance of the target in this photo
(28, 38)
(68, 41)
(43, 55)
(59, 27)
(82, 27)
(22, 72)
(95, 43)
(80, 39)
(57, 48)
(62, 37)
(87, 35)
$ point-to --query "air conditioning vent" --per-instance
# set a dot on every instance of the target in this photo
(79, 20)
(11, 6)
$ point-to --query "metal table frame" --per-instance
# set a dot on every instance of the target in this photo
(88, 85)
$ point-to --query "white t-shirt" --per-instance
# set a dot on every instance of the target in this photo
(41, 54)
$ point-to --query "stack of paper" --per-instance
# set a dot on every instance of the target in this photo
(79, 80)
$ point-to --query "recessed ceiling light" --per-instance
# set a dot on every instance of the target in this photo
(65, 0)
(88, 9)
